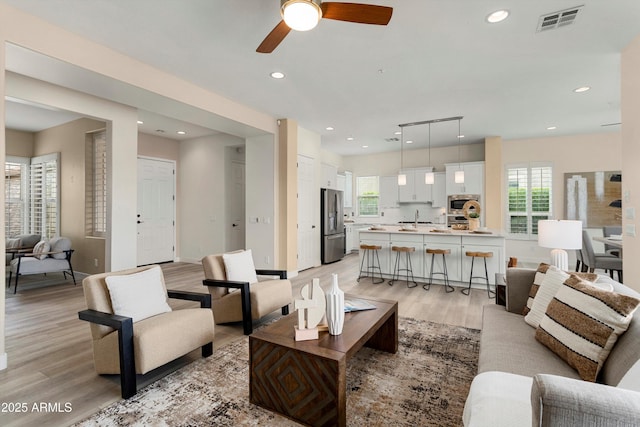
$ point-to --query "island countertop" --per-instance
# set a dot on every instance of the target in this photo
(430, 230)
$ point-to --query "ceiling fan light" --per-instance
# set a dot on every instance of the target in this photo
(301, 15)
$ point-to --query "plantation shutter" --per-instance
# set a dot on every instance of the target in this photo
(15, 194)
(529, 198)
(368, 195)
(96, 188)
(44, 209)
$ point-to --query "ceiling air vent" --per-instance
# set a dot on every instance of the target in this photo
(554, 20)
(392, 139)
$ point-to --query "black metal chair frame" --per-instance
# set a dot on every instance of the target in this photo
(371, 266)
(485, 277)
(124, 326)
(69, 271)
(408, 270)
(245, 295)
(444, 273)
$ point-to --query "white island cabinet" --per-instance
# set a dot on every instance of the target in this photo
(458, 264)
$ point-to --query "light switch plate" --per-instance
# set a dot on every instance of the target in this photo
(630, 230)
(630, 213)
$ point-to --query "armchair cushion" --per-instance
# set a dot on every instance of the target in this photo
(40, 249)
(138, 295)
(58, 245)
(240, 267)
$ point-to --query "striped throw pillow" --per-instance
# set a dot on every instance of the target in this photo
(582, 323)
(537, 280)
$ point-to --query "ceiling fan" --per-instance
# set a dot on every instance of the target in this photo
(303, 15)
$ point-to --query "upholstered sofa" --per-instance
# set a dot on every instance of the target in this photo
(521, 382)
(22, 243)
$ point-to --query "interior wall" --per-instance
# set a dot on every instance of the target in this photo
(261, 194)
(19, 143)
(69, 140)
(202, 195)
(630, 170)
(575, 153)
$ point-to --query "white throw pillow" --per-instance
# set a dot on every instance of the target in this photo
(553, 279)
(40, 249)
(138, 295)
(240, 267)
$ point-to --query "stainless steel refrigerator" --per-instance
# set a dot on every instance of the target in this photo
(332, 225)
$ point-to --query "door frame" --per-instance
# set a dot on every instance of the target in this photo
(175, 199)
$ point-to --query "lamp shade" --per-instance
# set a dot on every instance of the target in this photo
(402, 179)
(429, 178)
(458, 177)
(560, 234)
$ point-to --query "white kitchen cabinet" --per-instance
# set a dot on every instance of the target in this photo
(495, 264)
(379, 239)
(453, 260)
(473, 178)
(439, 190)
(329, 176)
(408, 240)
(341, 181)
(388, 192)
(415, 191)
(348, 189)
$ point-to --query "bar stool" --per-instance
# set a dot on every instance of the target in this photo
(444, 272)
(399, 250)
(371, 255)
(484, 256)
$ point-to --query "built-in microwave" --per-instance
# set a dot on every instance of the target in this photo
(456, 202)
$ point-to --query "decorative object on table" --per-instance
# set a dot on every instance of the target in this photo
(471, 211)
(335, 307)
(356, 304)
(560, 235)
(311, 310)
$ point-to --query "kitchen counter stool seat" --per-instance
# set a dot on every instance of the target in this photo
(444, 272)
(408, 268)
(484, 256)
(370, 256)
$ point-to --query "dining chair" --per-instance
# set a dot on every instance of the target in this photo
(592, 260)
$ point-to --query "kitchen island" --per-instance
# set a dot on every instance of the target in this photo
(425, 237)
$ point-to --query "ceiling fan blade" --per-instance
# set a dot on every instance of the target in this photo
(274, 38)
(357, 12)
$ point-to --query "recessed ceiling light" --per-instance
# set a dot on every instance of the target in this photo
(350, 138)
(329, 128)
(581, 89)
(365, 146)
(277, 75)
(460, 136)
(181, 132)
(552, 128)
(409, 142)
(397, 133)
(497, 16)
(140, 122)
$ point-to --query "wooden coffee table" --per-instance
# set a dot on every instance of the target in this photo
(306, 380)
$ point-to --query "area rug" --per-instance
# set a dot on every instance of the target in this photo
(424, 384)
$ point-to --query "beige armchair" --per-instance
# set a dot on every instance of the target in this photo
(252, 301)
(122, 345)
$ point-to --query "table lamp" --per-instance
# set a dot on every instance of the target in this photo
(560, 235)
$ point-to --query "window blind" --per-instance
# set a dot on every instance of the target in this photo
(44, 209)
(529, 198)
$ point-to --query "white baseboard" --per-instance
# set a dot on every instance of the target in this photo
(3, 361)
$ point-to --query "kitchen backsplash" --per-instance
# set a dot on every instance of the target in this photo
(406, 212)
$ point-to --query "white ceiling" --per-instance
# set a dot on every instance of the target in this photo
(436, 58)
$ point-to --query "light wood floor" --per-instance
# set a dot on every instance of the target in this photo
(49, 349)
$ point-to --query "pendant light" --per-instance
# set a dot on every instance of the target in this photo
(429, 177)
(459, 174)
(402, 177)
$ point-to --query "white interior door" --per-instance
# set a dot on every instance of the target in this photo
(237, 205)
(308, 199)
(156, 211)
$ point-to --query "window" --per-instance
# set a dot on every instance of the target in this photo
(368, 195)
(96, 184)
(44, 209)
(16, 185)
(528, 198)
